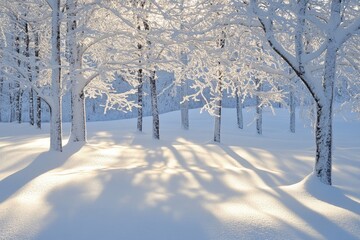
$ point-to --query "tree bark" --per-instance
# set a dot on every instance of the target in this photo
(56, 106)
(217, 127)
(184, 106)
(29, 73)
(37, 71)
(140, 101)
(38, 112)
(323, 140)
(78, 119)
(11, 103)
(154, 107)
(239, 113)
(258, 108)
(18, 91)
(78, 112)
(218, 103)
(292, 111)
(18, 103)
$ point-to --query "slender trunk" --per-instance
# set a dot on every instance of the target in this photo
(140, 101)
(258, 109)
(292, 111)
(18, 93)
(55, 109)
(154, 107)
(218, 106)
(218, 103)
(37, 71)
(38, 112)
(18, 103)
(140, 76)
(239, 113)
(11, 103)
(31, 107)
(184, 106)
(28, 66)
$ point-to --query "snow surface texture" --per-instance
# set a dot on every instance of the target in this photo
(124, 185)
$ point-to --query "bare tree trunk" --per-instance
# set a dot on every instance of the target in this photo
(18, 103)
(323, 137)
(218, 103)
(31, 107)
(78, 119)
(184, 106)
(258, 108)
(56, 107)
(140, 76)
(37, 71)
(140, 101)
(18, 91)
(38, 112)
(239, 113)
(292, 111)
(78, 114)
(28, 66)
(154, 107)
(217, 128)
(11, 103)
(323, 131)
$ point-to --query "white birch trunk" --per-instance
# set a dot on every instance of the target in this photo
(292, 111)
(258, 109)
(11, 103)
(154, 107)
(217, 127)
(218, 103)
(218, 106)
(140, 101)
(184, 106)
(18, 103)
(239, 108)
(38, 112)
(37, 70)
(323, 134)
(56, 105)
(78, 118)
(323, 140)
(29, 73)
(78, 114)
(18, 93)
(139, 123)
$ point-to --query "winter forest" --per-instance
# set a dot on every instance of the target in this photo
(186, 119)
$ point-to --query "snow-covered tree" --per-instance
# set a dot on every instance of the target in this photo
(336, 26)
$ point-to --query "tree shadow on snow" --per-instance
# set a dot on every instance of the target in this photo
(170, 199)
(330, 195)
(44, 163)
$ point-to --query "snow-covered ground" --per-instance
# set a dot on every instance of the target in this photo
(124, 185)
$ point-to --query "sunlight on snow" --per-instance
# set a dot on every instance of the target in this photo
(232, 189)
